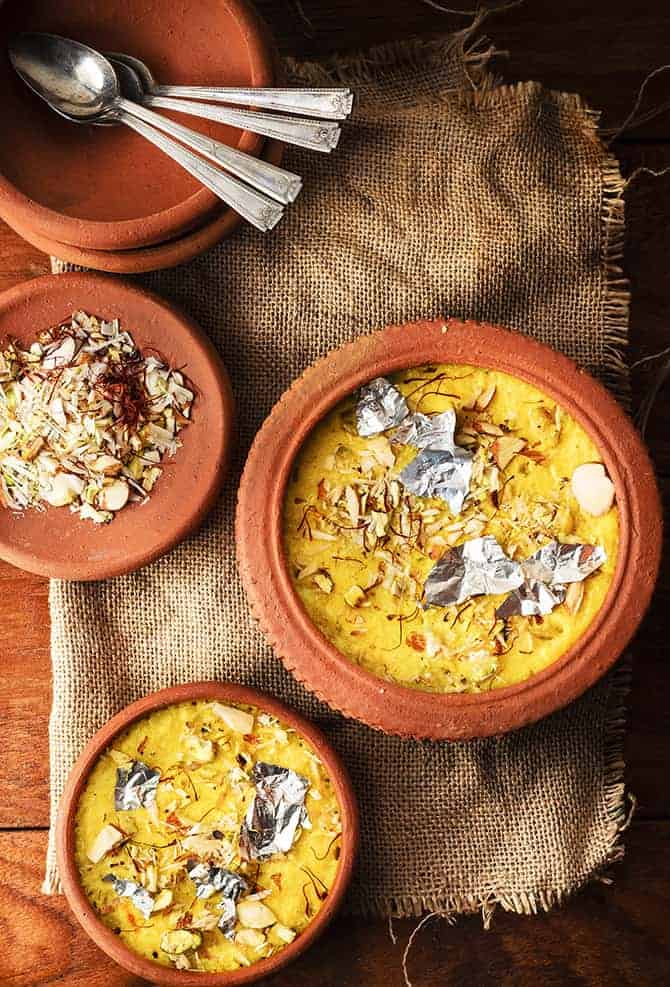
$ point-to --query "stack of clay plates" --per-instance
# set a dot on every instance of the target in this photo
(103, 197)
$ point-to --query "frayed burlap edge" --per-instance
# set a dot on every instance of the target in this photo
(619, 810)
(355, 70)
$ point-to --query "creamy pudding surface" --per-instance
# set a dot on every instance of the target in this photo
(207, 837)
(450, 528)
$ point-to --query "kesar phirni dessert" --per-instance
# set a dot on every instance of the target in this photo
(86, 418)
(207, 837)
(450, 528)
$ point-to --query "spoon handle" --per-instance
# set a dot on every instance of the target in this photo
(315, 135)
(253, 206)
(279, 184)
(329, 104)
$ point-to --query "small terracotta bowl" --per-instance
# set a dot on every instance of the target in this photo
(157, 256)
(65, 841)
(107, 188)
(320, 666)
(57, 543)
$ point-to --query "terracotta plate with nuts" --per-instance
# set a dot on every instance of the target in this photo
(116, 426)
(447, 530)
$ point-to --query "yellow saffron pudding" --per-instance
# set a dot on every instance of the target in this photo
(185, 873)
(359, 545)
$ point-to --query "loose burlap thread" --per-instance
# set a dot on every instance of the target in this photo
(449, 194)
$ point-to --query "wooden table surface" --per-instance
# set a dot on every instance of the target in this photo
(608, 934)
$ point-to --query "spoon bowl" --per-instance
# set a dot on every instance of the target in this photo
(76, 81)
(81, 84)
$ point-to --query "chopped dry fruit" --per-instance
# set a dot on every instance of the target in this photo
(452, 508)
(85, 419)
(593, 489)
(218, 847)
(107, 839)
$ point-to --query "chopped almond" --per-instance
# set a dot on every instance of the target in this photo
(107, 839)
(485, 398)
(574, 596)
(162, 901)
(324, 581)
(235, 719)
(254, 914)
(506, 448)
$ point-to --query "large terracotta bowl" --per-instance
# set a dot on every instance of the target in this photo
(104, 937)
(157, 256)
(107, 188)
(320, 666)
(56, 542)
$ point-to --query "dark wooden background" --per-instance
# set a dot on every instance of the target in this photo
(617, 934)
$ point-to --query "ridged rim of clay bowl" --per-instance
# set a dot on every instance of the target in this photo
(153, 258)
(84, 913)
(156, 227)
(56, 542)
(315, 662)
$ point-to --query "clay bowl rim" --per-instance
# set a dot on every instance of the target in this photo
(84, 912)
(153, 257)
(153, 228)
(220, 405)
(316, 663)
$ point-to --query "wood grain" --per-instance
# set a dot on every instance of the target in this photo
(606, 935)
(602, 49)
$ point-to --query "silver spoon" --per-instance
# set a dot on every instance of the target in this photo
(329, 104)
(81, 85)
(279, 184)
(315, 135)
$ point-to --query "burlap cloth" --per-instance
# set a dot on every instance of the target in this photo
(449, 194)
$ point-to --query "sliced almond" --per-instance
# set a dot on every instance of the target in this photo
(65, 488)
(485, 398)
(319, 535)
(380, 447)
(488, 428)
(324, 582)
(283, 933)
(113, 497)
(60, 355)
(33, 449)
(353, 504)
(354, 596)
(506, 448)
(107, 465)
(525, 642)
(574, 596)
(162, 901)
(107, 839)
(235, 719)
(593, 489)
(380, 523)
(306, 571)
(255, 914)
(250, 937)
